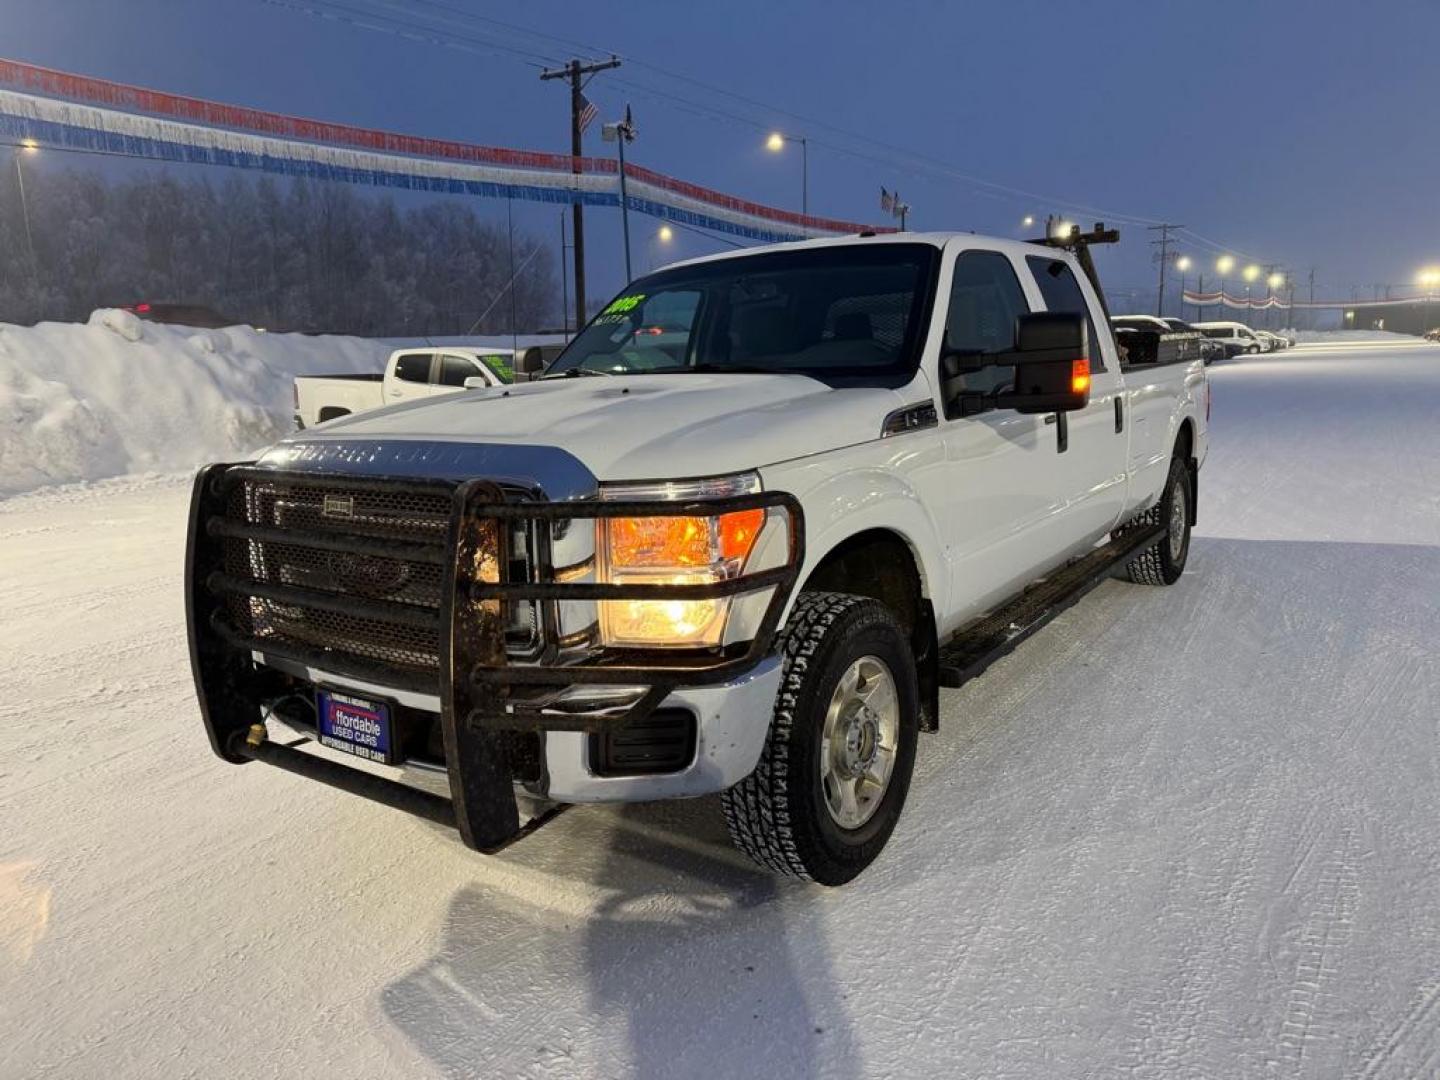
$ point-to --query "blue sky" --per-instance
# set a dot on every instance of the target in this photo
(1297, 133)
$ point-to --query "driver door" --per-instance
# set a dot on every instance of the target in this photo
(994, 492)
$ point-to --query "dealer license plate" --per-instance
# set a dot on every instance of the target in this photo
(356, 725)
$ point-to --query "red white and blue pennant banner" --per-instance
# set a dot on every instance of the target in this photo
(1243, 303)
(1212, 299)
(79, 113)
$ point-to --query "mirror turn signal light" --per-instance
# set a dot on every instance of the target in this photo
(1080, 376)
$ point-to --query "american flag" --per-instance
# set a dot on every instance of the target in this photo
(887, 200)
(588, 112)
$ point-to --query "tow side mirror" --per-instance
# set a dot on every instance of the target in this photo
(1052, 372)
(530, 362)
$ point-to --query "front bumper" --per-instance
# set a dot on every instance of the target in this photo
(731, 722)
(485, 701)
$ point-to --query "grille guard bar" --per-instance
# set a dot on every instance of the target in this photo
(478, 685)
(478, 680)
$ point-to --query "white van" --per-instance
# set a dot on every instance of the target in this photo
(1236, 337)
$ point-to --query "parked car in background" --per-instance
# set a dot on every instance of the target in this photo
(196, 315)
(1236, 337)
(1272, 342)
(410, 374)
(1210, 350)
(1148, 339)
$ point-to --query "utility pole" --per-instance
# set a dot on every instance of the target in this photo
(575, 71)
(1163, 257)
(1311, 309)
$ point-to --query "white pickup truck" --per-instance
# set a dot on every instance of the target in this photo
(410, 374)
(742, 555)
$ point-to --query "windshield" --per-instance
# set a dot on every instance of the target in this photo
(846, 315)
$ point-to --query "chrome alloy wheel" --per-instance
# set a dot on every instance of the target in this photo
(859, 742)
(1179, 518)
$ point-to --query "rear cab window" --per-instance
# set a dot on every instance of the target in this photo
(413, 367)
(454, 370)
(1062, 292)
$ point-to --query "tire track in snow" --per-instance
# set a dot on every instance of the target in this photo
(1422, 1016)
(1171, 1024)
(1323, 939)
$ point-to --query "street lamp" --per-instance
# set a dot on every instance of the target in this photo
(1028, 221)
(1250, 273)
(620, 133)
(27, 146)
(1223, 265)
(1182, 264)
(1273, 282)
(776, 143)
(664, 235)
(1427, 279)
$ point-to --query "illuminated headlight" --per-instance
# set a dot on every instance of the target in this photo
(674, 551)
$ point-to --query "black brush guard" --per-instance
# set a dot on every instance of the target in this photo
(483, 695)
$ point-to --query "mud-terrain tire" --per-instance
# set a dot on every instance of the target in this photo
(1164, 561)
(838, 651)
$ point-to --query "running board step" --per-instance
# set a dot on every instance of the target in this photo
(979, 645)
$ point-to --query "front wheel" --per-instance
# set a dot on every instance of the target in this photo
(1164, 561)
(836, 767)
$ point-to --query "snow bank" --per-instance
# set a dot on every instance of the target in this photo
(1341, 337)
(119, 395)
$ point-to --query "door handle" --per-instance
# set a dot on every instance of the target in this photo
(1119, 414)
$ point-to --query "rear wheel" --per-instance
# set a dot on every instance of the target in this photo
(1164, 561)
(837, 762)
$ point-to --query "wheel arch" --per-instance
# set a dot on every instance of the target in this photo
(1185, 451)
(882, 563)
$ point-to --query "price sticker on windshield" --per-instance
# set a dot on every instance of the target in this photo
(620, 307)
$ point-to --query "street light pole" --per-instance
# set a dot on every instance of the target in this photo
(622, 132)
(775, 143)
(29, 148)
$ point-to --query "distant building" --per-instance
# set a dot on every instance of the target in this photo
(1413, 317)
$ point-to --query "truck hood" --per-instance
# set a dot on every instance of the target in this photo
(639, 427)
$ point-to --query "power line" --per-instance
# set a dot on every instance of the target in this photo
(917, 162)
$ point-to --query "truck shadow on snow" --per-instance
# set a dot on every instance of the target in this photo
(611, 950)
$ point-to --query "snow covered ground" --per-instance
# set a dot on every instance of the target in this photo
(1185, 832)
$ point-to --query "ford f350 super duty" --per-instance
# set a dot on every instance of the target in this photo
(745, 554)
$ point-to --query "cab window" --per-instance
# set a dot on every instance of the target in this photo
(454, 370)
(1062, 293)
(413, 367)
(985, 301)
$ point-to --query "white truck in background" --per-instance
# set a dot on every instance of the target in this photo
(410, 374)
(740, 554)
